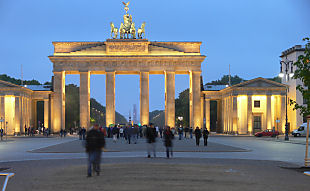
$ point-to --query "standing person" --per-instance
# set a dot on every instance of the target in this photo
(205, 134)
(161, 131)
(83, 133)
(129, 133)
(168, 136)
(185, 132)
(151, 139)
(180, 132)
(1, 134)
(25, 130)
(121, 132)
(94, 143)
(197, 135)
(191, 132)
(61, 132)
(114, 132)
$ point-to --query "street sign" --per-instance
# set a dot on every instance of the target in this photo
(277, 121)
(1, 120)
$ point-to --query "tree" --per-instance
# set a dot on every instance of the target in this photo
(302, 73)
(225, 80)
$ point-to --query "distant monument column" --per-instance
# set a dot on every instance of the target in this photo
(59, 101)
(282, 123)
(194, 91)
(250, 115)
(17, 117)
(268, 112)
(46, 113)
(85, 99)
(207, 112)
(144, 98)
(110, 98)
(170, 99)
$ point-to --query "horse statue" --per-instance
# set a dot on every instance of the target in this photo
(132, 30)
(141, 31)
(114, 31)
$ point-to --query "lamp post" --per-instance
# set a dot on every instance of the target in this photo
(6, 131)
(287, 73)
(180, 118)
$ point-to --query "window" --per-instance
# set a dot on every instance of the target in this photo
(304, 101)
(256, 103)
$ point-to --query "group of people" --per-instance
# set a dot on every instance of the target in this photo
(31, 131)
(95, 140)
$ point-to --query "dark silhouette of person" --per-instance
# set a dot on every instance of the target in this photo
(168, 136)
(205, 134)
(94, 143)
(197, 135)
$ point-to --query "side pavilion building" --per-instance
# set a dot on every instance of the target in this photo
(247, 107)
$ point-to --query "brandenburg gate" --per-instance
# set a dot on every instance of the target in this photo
(128, 55)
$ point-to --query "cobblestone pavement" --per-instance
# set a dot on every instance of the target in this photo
(184, 145)
(156, 174)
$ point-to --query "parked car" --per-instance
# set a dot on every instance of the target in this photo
(301, 131)
(267, 132)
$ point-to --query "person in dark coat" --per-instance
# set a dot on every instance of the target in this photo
(197, 135)
(94, 143)
(205, 134)
(151, 139)
(168, 136)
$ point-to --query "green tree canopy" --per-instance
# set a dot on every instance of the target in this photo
(302, 73)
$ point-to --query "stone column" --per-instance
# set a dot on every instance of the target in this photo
(250, 115)
(144, 98)
(110, 98)
(202, 111)
(34, 120)
(268, 112)
(85, 99)
(282, 123)
(2, 109)
(59, 101)
(194, 89)
(207, 107)
(170, 98)
(17, 115)
(219, 124)
(46, 113)
(235, 115)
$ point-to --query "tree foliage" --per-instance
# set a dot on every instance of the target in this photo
(182, 107)
(225, 80)
(97, 111)
(302, 73)
(7, 78)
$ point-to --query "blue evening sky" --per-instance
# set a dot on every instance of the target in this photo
(247, 34)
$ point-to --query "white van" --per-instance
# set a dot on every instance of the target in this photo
(301, 131)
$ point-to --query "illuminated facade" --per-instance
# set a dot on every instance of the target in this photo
(18, 107)
(130, 57)
(247, 107)
(295, 119)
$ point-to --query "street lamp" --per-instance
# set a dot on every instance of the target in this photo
(287, 73)
(180, 118)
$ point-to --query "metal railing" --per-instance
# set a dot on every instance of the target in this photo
(8, 176)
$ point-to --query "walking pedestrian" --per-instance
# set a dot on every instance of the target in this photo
(151, 139)
(197, 135)
(94, 143)
(168, 136)
(191, 132)
(25, 130)
(114, 132)
(205, 134)
(186, 129)
(1, 134)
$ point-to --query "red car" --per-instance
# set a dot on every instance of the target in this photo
(267, 132)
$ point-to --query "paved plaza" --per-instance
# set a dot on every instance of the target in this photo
(229, 162)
